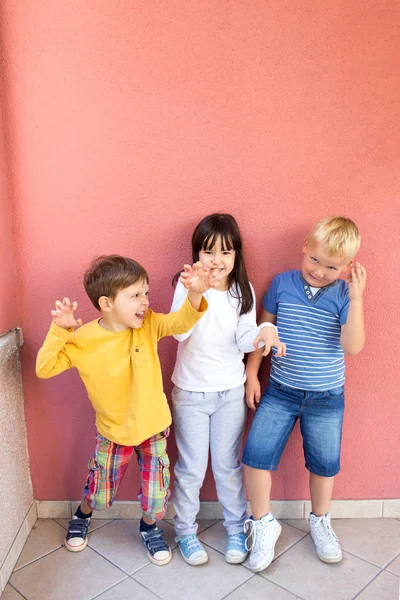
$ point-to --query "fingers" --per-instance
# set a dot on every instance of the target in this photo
(266, 350)
(250, 401)
(79, 322)
(280, 349)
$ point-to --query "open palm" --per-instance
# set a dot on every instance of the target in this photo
(64, 314)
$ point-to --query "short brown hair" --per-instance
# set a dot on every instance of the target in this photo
(107, 275)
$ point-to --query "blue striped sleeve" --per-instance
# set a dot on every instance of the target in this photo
(270, 299)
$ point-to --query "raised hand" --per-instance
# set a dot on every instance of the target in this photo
(198, 278)
(269, 336)
(357, 282)
(64, 316)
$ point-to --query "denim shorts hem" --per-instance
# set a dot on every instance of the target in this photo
(320, 474)
(259, 466)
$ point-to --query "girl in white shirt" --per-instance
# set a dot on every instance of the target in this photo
(208, 400)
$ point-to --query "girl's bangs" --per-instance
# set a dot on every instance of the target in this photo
(211, 238)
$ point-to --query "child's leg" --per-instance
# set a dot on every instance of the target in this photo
(226, 436)
(191, 417)
(106, 470)
(321, 427)
(272, 425)
(321, 494)
(153, 495)
(258, 484)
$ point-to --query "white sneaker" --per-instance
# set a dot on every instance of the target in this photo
(265, 533)
(325, 539)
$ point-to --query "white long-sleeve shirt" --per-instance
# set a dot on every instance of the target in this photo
(210, 355)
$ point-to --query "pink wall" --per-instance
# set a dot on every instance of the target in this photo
(130, 121)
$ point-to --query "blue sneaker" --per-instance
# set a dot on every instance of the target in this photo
(236, 551)
(192, 550)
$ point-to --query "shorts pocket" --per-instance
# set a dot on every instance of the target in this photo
(95, 476)
(335, 392)
(164, 472)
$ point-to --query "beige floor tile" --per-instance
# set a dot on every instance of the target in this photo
(10, 594)
(301, 572)
(213, 580)
(64, 575)
(302, 524)
(127, 590)
(94, 523)
(53, 509)
(258, 587)
(394, 567)
(385, 587)
(45, 537)
(375, 540)
(121, 544)
(216, 537)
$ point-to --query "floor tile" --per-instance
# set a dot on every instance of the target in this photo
(301, 572)
(394, 566)
(94, 523)
(64, 575)
(385, 587)
(121, 544)
(216, 537)
(127, 590)
(302, 524)
(213, 580)
(10, 594)
(258, 587)
(375, 540)
(45, 537)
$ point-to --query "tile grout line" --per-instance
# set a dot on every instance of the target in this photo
(238, 587)
(369, 583)
(17, 590)
(295, 594)
(110, 561)
(391, 561)
(146, 588)
(108, 589)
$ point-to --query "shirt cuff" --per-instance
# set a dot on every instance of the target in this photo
(268, 325)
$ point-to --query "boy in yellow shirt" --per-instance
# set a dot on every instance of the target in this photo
(116, 357)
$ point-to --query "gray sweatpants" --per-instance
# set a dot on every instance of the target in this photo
(209, 421)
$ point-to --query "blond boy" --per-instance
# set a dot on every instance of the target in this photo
(320, 319)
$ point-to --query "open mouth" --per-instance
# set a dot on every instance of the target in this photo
(140, 315)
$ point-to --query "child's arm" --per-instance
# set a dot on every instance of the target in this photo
(196, 280)
(53, 355)
(249, 337)
(352, 336)
(180, 296)
(253, 389)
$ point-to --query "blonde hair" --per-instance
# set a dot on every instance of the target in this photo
(339, 235)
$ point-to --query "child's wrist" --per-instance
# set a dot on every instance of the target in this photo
(267, 324)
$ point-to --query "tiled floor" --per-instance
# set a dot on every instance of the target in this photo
(115, 566)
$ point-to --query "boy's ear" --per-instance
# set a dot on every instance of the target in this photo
(105, 303)
(305, 247)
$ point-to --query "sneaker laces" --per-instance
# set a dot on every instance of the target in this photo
(257, 538)
(324, 531)
(154, 541)
(235, 541)
(192, 544)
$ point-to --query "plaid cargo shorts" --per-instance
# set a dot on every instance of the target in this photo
(108, 465)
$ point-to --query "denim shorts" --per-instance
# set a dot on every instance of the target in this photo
(321, 418)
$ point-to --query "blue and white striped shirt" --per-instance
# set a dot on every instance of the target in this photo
(310, 326)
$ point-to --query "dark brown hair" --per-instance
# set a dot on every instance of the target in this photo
(107, 275)
(204, 237)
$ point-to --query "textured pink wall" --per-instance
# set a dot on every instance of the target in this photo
(132, 120)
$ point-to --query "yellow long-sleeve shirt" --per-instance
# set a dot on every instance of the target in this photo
(121, 371)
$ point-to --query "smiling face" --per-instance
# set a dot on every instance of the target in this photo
(320, 269)
(220, 260)
(127, 309)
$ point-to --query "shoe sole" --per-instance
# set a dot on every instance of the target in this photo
(266, 564)
(236, 560)
(194, 562)
(76, 548)
(336, 559)
(162, 562)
